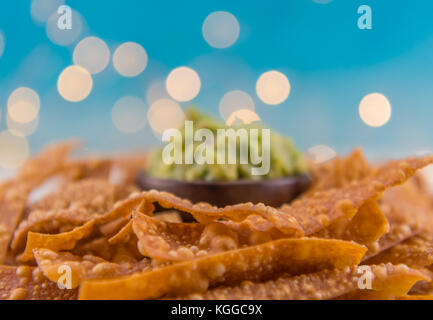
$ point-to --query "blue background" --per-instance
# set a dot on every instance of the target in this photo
(330, 63)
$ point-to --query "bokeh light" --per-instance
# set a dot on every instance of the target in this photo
(233, 101)
(41, 10)
(220, 29)
(183, 84)
(92, 53)
(129, 114)
(22, 129)
(157, 90)
(273, 87)
(321, 153)
(74, 83)
(165, 114)
(130, 59)
(23, 104)
(14, 150)
(242, 116)
(375, 110)
(67, 36)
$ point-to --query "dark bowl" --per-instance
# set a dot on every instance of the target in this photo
(272, 192)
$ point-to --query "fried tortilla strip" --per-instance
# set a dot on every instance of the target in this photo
(56, 242)
(26, 283)
(366, 227)
(416, 252)
(93, 195)
(339, 172)
(319, 210)
(86, 267)
(327, 284)
(206, 213)
(181, 241)
(169, 216)
(123, 235)
(397, 281)
(68, 240)
(415, 297)
(292, 256)
(14, 193)
(54, 221)
(407, 212)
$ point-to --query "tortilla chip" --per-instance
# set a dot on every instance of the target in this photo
(123, 235)
(293, 256)
(319, 210)
(54, 221)
(339, 172)
(327, 284)
(415, 252)
(93, 195)
(55, 242)
(169, 216)
(397, 280)
(14, 193)
(26, 283)
(86, 267)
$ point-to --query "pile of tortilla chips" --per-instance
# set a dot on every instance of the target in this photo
(74, 228)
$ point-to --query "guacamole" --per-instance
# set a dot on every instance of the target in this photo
(283, 158)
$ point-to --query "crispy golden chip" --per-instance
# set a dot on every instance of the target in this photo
(55, 221)
(415, 252)
(327, 284)
(181, 241)
(293, 256)
(56, 242)
(366, 227)
(93, 195)
(123, 235)
(25, 283)
(86, 267)
(415, 297)
(14, 193)
(318, 210)
(169, 216)
(339, 172)
(396, 281)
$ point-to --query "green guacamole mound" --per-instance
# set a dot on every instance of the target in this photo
(285, 159)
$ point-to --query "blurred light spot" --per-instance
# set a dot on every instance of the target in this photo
(22, 129)
(427, 174)
(130, 59)
(375, 110)
(23, 105)
(233, 101)
(74, 83)
(14, 150)
(183, 84)
(67, 36)
(129, 114)
(165, 114)
(156, 91)
(273, 87)
(220, 29)
(41, 10)
(321, 153)
(2, 43)
(92, 53)
(242, 116)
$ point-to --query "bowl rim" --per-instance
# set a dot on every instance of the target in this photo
(241, 182)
